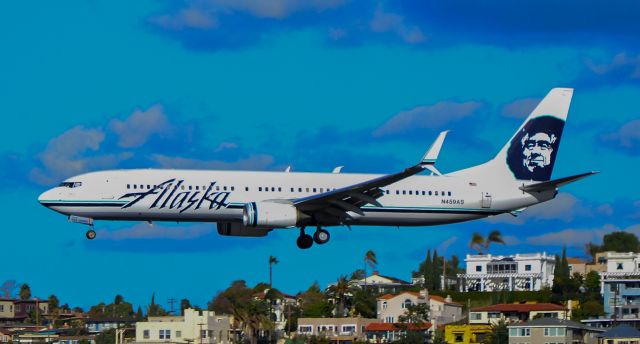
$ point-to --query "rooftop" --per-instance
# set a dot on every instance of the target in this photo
(555, 322)
(622, 331)
(397, 327)
(520, 307)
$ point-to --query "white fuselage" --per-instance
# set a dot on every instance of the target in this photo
(219, 196)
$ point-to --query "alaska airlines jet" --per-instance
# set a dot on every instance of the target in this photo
(252, 204)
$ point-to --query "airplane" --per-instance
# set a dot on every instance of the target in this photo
(251, 204)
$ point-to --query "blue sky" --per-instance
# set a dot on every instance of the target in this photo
(315, 84)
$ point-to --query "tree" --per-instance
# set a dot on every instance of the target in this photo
(340, 292)
(438, 337)
(184, 304)
(620, 242)
(25, 292)
(371, 261)
(415, 314)
(106, 337)
(427, 271)
(357, 275)
(139, 316)
(364, 303)
(436, 271)
(154, 309)
(591, 250)
(8, 288)
(53, 302)
(480, 244)
(118, 299)
(272, 260)
(499, 334)
(314, 303)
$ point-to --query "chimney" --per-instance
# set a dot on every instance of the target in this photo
(375, 273)
(424, 293)
(448, 298)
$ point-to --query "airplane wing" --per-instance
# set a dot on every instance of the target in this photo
(336, 203)
(554, 184)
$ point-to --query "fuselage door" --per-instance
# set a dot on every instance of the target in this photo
(110, 186)
(486, 200)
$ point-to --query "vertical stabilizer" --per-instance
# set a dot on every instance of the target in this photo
(531, 152)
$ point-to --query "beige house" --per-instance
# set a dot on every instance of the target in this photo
(441, 310)
(337, 329)
(6, 309)
(194, 327)
(577, 265)
(552, 330)
(517, 312)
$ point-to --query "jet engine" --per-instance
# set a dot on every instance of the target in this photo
(271, 214)
(238, 229)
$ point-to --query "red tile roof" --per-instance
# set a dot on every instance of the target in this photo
(391, 296)
(397, 327)
(520, 307)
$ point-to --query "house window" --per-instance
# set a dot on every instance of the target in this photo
(476, 316)
(349, 328)
(178, 334)
(165, 334)
(554, 332)
(305, 329)
(494, 315)
(1, 308)
(458, 337)
(527, 267)
(519, 332)
(619, 266)
(389, 319)
(406, 303)
(203, 333)
(145, 334)
(384, 305)
(478, 268)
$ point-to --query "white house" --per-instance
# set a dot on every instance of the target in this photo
(441, 310)
(280, 306)
(514, 272)
(194, 327)
(383, 284)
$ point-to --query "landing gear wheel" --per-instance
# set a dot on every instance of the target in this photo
(321, 236)
(304, 241)
(91, 234)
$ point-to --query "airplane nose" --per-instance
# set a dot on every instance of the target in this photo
(44, 197)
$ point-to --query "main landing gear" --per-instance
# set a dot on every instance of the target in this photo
(320, 237)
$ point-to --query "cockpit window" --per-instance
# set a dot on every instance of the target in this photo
(70, 184)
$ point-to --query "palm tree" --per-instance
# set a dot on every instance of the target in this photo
(371, 261)
(479, 243)
(272, 260)
(340, 291)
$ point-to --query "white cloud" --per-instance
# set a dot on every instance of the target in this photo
(627, 137)
(577, 237)
(383, 21)
(427, 117)
(147, 231)
(136, 130)
(520, 108)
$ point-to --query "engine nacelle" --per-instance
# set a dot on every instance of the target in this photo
(238, 229)
(270, 214)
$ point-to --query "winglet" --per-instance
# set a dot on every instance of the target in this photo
(433, 152)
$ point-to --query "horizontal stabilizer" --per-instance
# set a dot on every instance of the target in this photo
(434, 150)
(556, 183)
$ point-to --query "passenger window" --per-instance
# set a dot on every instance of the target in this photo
(442, 193)
(386, 191)
(299, 189)
(449, 193)
(279, 189)
(321, 190)
(397, 192)
(430, 193)
(404, 192)
(246, 188)
(436, 193)
(135, 186)
(422, 192)
(233, 188)
(197, 187)
(141, 186)
(224, 188)
(260, 188)
(307, 189)
(410, 192)
(273, 189)
(217, 187)
(190, 187)
(314, 189)
(128, 186)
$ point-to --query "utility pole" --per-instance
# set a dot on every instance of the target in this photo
(171, 302)
(201, 324)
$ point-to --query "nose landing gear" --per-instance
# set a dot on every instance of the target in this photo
(91, 234)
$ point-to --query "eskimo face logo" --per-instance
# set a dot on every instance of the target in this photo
(532, 152)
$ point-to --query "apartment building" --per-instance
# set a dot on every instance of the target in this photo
(441, 310)
(517, 312)
(335, 329)
(193, 327)
(552, 330)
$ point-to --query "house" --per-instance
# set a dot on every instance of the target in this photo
(388, 332)
(517, 312)
(335, 329)
(5, 336)
(577, 265)
(63, 339)
(193, 327)
(621, 298)
(466, 334)
(281, 304)
(383, 284)
(441, 310)
(552, 330)
(621, 334)
(515, 272)
(99, 324)
(16, 310)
